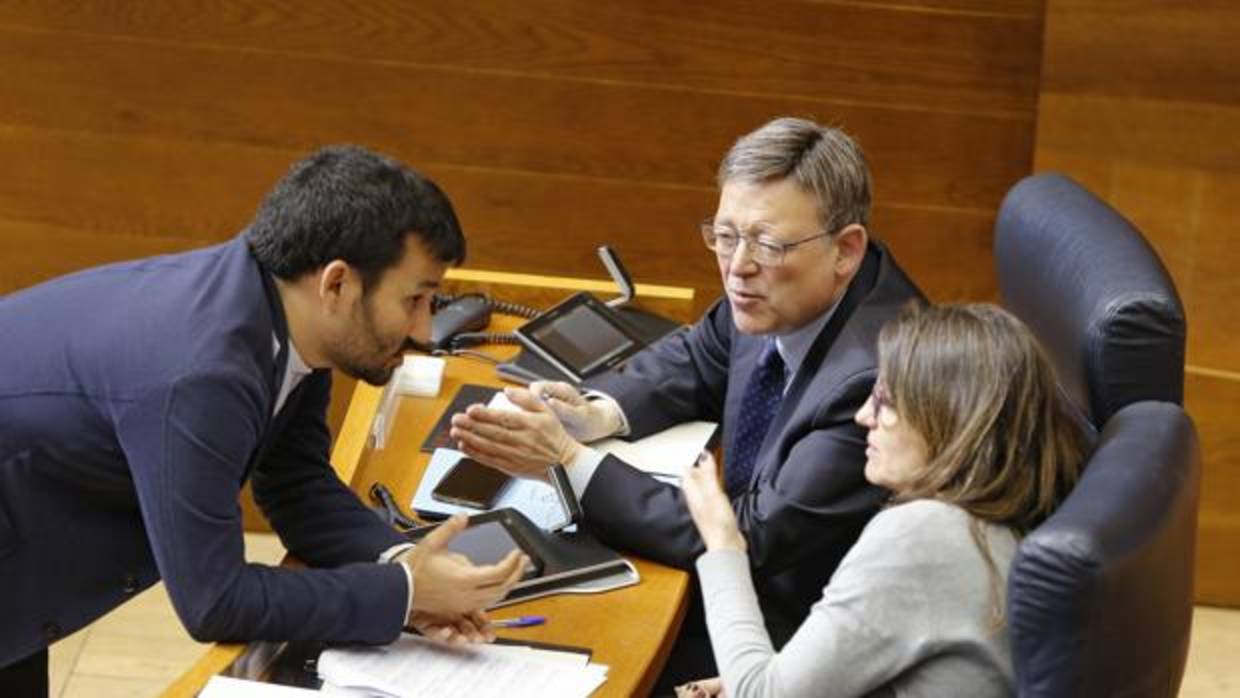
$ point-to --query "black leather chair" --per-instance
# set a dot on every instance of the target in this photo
(1100, 596)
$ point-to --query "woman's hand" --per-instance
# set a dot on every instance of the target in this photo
(710, 507)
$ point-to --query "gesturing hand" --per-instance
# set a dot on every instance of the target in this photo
(585, 420)
(710, 507)
(521, 443)
(447, 584)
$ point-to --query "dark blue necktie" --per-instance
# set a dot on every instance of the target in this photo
(759, 403)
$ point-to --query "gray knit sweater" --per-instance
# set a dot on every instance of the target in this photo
(907, 613)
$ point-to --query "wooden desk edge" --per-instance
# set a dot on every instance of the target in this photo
(482, 276)
(216, 659)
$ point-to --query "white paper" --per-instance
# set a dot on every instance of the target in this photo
(664, 454)
(226, 687)
(413, 667)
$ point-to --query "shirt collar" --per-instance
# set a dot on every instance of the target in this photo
(296, 365)
(794, 345)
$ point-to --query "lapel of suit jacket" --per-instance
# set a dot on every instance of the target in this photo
(276, 376)
(860, 287)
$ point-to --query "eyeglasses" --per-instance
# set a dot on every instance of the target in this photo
(723, 240)
(884, 407)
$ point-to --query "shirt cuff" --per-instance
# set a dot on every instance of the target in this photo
(592, 394)
(581, 470)
(387, 556)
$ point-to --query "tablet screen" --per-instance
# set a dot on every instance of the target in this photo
(488, 543)
(579, 335)
(582, 338)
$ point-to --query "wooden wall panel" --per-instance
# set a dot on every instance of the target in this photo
(131, 128)
(114, 182)
(551, 98)
(499, 122)
(1212, 400)
(980, 56)
(1140, 103)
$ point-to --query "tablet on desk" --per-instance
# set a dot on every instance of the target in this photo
(490, 537)
(581, 336)
(488, 543)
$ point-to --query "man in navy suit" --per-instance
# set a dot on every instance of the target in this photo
(136, 399)
(807, 290)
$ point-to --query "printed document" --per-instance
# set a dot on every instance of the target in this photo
(413, 667)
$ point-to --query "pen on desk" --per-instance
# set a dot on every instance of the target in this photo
(519, 622)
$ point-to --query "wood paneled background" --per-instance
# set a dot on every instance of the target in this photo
(132, 128)
(129, 128)
(1140, 101)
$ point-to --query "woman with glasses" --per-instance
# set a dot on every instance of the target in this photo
(967, 432)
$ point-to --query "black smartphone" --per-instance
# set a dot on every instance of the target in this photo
(471, 484)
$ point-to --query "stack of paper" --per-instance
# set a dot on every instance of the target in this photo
(413, 667)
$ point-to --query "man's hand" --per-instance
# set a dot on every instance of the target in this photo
(585, 420)
(448, 585)
(520, 443)
(455, 630)
(710, 507)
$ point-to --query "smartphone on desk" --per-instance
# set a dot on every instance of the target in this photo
(471, 484)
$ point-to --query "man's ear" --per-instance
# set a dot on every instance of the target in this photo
(851, 242)
(338, 284)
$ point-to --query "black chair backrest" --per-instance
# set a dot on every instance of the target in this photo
(1100, 596)
(1094, 292)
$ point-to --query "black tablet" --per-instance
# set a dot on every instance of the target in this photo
(491, 536)
(581, 336)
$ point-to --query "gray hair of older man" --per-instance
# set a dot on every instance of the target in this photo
(823, 161)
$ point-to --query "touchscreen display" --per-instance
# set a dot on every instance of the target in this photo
(488, 543)
(484, 544)
(582, 339)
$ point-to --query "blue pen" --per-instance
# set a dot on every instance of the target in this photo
(519, 622)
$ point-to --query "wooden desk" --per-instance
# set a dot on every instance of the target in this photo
(630, 630)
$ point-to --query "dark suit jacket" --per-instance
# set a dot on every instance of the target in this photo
(135, 399)
(808, 499)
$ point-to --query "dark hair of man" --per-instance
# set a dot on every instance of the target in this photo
(346, 202)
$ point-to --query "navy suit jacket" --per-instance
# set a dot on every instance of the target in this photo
(135, 400)
(808, 499)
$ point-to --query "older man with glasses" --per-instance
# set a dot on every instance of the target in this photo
(784, 361)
